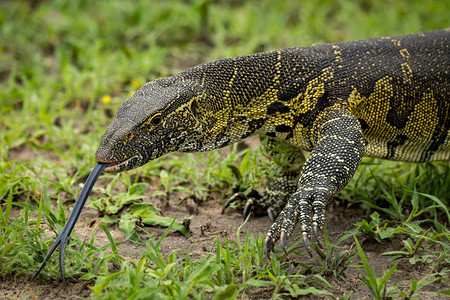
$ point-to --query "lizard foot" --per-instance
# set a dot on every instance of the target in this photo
(256, 205)
(276, 194)
(306, 206)
(251, 204)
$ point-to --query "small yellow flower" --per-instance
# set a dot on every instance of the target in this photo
(106, 99)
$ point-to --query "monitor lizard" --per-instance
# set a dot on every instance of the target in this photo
(382, 97)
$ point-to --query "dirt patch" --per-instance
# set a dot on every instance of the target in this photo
(207, 223)
(18, 288)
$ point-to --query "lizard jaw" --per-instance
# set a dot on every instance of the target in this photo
(128, 164)
(113, 167)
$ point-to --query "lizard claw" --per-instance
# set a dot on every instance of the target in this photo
(316, 230)
(306, 243)
(270, 214)
(268, 246)
(231, 200)
(247, 208)
(283, 240)
(316, 233)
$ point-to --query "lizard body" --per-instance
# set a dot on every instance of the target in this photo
(384, 97)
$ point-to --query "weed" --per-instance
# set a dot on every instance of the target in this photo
(377, 286)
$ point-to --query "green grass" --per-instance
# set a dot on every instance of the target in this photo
(65, 66)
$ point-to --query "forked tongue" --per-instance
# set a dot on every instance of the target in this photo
(73, 217)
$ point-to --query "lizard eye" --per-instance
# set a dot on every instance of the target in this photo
(156, 120)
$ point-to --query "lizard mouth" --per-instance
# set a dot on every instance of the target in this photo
(113, 167)
(140, 158)
(119, 166)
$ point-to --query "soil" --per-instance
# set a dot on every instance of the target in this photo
(209, 222)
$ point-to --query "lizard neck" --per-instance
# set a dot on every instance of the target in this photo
(257, 94)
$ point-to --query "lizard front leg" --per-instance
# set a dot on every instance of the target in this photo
(338, 151)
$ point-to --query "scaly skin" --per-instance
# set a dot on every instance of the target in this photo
(385, 97)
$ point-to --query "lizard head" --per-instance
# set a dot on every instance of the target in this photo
(156, 120)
